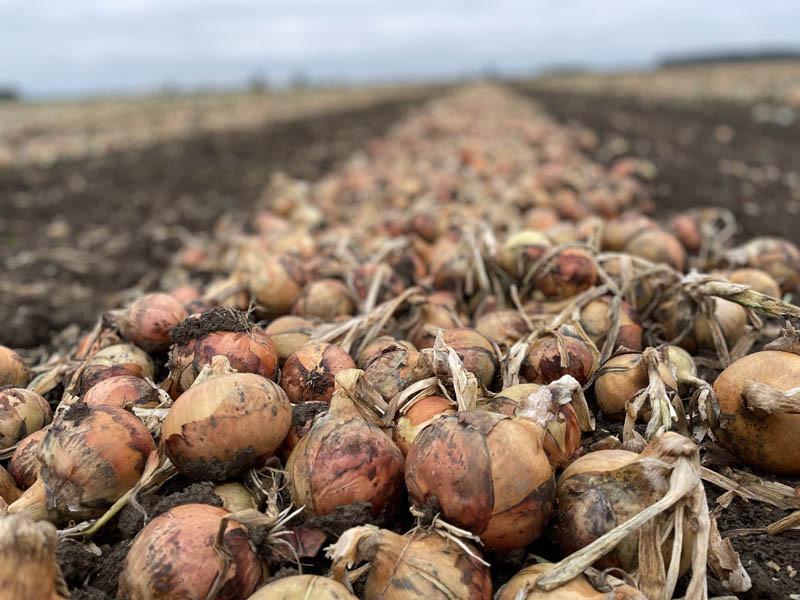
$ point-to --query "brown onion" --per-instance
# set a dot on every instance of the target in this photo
(346, 458)
(112, 361)
(174, 557)
(687, 230)
(617, 232)
(89, 458)
(420, 564)
(438, 312)
(124, 391)
(732, 319)
(28, 566)
(24, 463)
(570, 272)
(148, 321)
(303, 587)
(9, 491)
(484, 472)
(277, 281)
(199, 339)
(777, 257)
(521, 251)
(596, 321)
(21, 413)
(543, 363)
(476, 353)
(308, 374)
(289, 334)
(659, 247)
(235, 497)
(303, 416)
(762, 436)
(13, 370)
(757, 279)
(522, 586)
(391, 366)
(620, 378)
(503, 327)
(220, 427)
(416, 417)
(324, 299)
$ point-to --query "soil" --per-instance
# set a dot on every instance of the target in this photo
(692, 149)
(75, 234)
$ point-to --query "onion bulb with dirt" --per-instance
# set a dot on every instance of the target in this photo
(124, 391)
(568, 273)
(347, 458)
(13, 370)
(392, 365)
(220, 332)
(522, 586)
(309, 374)
(303, 587)
(415, 418)
(148, 321)
(174, 556)
(420, 564)
(115, 360)
(223, 425)
(521, 251)
(503, 327)
(88, 459)
(22, 412)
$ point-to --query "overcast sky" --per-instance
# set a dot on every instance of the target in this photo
(67, 47)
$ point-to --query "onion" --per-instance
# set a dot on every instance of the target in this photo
(756, 421)
(679, 316)
(346, 458)
(777, 257)
(112, 361)
(24, 463)
(438, 312)
(570, 272)
(235, 497)
(308, 374)
(89, 458)
(416, 417)
(221, 332)
(324, 299)
(522, 587)
(21, 412)
(620, 378)
(28, 567)
(363, 277)
(420, 564)
(303, 416)
(220, 427)
(543, 361)
(732, 319)
(476, 353)
(617, 232)
(223, 295)
(541, 218)
(8, 487)
(687, 230)
(174, 557)
(484, 472)
(148, 321)
(391, 366)
(449, 264)
(289, 334)
(757, 279)
(12, 368)
(503, 327)
(185, 294)
(303, 587)
(659, 247)
(277, 281)
(124, 391)
(596, 322)
(521, 251)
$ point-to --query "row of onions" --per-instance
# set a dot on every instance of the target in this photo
(405, 364)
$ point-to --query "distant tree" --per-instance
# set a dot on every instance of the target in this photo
(299, 81)
(258, 83)
(8, 93)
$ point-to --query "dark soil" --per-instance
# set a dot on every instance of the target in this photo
(125, 212)
(690, 151)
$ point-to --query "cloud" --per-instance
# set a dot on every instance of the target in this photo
(74, 46)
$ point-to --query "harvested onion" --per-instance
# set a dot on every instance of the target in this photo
(309, 374)
(543, 361)
(523, 587)
(21, 413)
(124, 391)
(12, 368)
(570, 272)
(503, 327)
(276, 281)
(9, 491)
(28, 566)
(324, 299)
(623, 376)
(476, 353)
(391, 366)
(289, 334)
(303, 587)
(596, 320)
(416, 417)
(118, 359)
(148, 321)
(24, 463)
(659, 247)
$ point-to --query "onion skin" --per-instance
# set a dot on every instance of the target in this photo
(303, 587)
(415, 419)
(9, 491)
(570, 272)
(622, 377)
(28, 566)
(248, 352)
(288, 334)
(503, 327)
(309, 374)
(276, 282)
(542, 364)
(777, 257)
(685, 228)
(21, 413)
(757, 279)
(147, 322)
(124, 391)
(617, 232)
(732, 319)
(521, 251)
(486, 473)
(596, 321)
(449, 264)
(659, 247)
(89, 458)
(303, 416)
(324, 299)
(345, 459)
(235, 497)
(391, 366)
(174, 557)
(219, 428)
(24, 463)
(115, 360)
(437, 313)
(475, 351)
(575, 589)
(768, 442)
(13, 370)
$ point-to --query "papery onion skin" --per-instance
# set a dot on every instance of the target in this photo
(148, 321)
(174, 557)
(620, 378)
(276, 282)
(659, 247)
(504, 327)
(303, 416)
(115, 360)
(392, 365)
(28, 566)
(575, 589)
(303, 587)
(288, 334)
(415, 419)
(22, 412)
(486, 473)
(362, 276)
(219, 428)
(521, 251)
(475, 351)
(570, 272)
(235, 497)
(768, 442)
(124, 391)
(24, 463)
(324, 299)
(309, 374)
(9, 491)
(13, 370)
(438, 312)
(247, 352)
(89, 458)
(542, 364)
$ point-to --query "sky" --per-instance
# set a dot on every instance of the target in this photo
(81, 47)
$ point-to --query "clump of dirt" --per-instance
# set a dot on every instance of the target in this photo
(218, 319)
